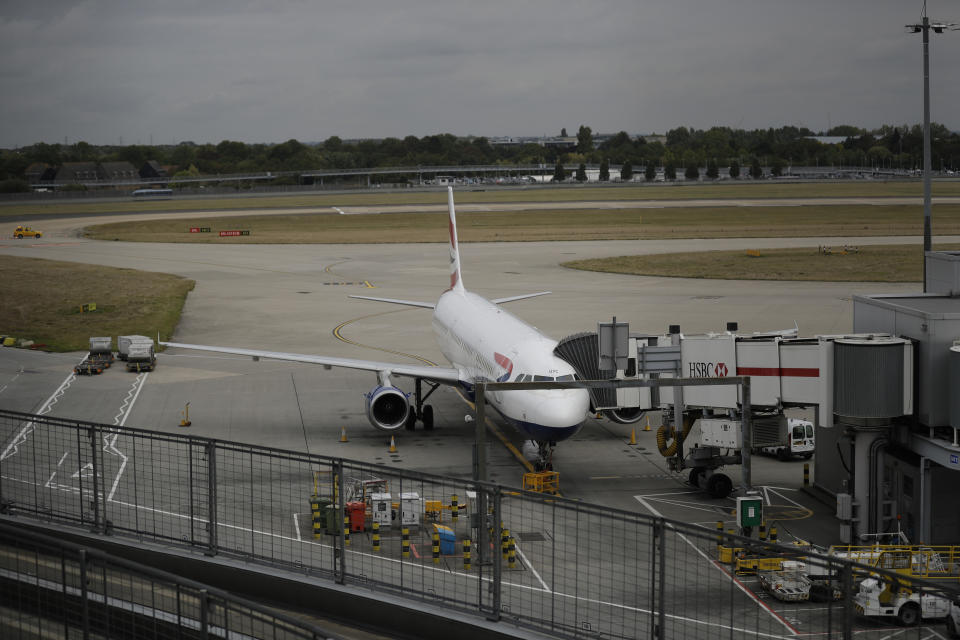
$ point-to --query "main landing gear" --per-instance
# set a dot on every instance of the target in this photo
(420, 411)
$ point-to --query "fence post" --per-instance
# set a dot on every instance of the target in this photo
(212, 547)
(204, 614)
(496, 586)
(846, 578)
(339, 550)
(658, 559)
(94, 440)
(84, 596)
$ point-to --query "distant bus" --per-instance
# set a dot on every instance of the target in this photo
(153, 193)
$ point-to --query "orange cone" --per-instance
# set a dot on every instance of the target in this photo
(343, 434)
(647, 428)
(633, 436)
(393, 445)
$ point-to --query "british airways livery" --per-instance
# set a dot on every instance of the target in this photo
(483, 342)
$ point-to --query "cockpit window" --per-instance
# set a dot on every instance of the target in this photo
(566, 378)
(542, 379)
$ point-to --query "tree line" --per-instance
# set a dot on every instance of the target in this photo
(893, 147)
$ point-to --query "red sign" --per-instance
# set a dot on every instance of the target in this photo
(199, 229)
(244, 232)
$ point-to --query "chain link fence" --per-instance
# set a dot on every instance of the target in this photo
(51, 588)
(531, 560)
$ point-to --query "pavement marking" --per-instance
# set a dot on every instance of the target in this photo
(296, 526)
(529, 564)
(339, 336)
(21, 437)
(11, 380)
(776, 616)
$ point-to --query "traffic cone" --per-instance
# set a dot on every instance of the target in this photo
(343, 434)
(393, 445)
(633, 436)
(647, 428)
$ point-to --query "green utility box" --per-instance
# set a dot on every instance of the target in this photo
(749, 511)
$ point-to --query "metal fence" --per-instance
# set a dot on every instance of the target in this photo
(51, 588)
(530, 560)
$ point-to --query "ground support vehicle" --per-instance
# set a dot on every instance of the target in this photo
(99, 358)
(24, 231)
(140, 356)
(796, 441)
(953, 620)
(888, 597)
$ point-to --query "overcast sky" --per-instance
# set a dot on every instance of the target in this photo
(171, 70)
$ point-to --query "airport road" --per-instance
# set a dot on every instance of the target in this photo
(294, 298)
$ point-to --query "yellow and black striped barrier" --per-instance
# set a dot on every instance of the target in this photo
(405, 542)
(376, 536)
(454, 508)
(773, 534)
(315, 518)
(806, 474)
(763, 531)
(511, 553)
(466, 554)
(504, 542)
(719, 534)
(436, 547)
(346, 531)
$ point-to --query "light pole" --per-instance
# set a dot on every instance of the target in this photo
(924, 28)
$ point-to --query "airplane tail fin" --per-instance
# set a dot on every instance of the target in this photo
(456, 282)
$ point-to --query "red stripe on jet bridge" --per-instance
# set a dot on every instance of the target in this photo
(784, 372)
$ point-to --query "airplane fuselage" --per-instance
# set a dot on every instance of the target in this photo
(487, 343)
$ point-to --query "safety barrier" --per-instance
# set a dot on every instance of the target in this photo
(544, 563)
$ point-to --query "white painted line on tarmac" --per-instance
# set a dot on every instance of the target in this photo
(20, 438)
(749, 594)
(529, 564)
(296, 526)
(110, 443)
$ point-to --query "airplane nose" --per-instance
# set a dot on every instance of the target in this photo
(563, 408)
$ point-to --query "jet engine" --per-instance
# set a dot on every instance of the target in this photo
(387, 408)
(625, 415)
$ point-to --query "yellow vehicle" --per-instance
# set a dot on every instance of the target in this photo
(25, 231)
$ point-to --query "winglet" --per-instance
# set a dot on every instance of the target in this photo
(456, 282)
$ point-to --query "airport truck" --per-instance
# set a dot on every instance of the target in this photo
(140, 356)
(99, 358)
(24, 231)
(124, 342)
(796, 440)
(888, 597)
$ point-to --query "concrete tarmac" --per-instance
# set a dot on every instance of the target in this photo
(294, 298)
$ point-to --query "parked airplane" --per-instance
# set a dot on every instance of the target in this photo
(483, 342)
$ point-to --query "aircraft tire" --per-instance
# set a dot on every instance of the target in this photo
(427, 417)
(411, 422)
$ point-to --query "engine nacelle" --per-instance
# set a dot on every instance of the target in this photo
(387, 408)
(625, 415)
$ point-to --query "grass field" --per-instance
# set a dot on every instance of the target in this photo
(541, 225)
(183, 201)
(40, 300)
(875, 263)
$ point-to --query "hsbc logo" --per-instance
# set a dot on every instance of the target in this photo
(707, 370)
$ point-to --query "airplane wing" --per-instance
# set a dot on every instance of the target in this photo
(447, 375)
(520, 297)
(430, 305)
(409, 303)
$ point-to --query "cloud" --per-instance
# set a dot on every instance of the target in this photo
(268, 71)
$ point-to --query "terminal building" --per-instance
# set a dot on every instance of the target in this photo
(891, 468)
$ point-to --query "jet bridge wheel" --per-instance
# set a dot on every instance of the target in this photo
(696, 476)
(719, 485)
